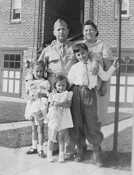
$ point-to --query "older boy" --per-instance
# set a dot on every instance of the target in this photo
(83, 78)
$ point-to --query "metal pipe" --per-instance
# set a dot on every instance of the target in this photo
(116, 118)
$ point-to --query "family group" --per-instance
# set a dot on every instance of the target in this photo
(66, 90)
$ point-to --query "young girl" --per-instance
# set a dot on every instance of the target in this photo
(36, 109)
(59, 116)
(83, 76)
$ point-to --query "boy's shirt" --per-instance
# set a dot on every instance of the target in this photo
(80, 75)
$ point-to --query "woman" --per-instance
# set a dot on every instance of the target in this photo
(102, 52)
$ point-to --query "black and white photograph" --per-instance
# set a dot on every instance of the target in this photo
(66, 87)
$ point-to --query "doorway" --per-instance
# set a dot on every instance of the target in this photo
(70, 10)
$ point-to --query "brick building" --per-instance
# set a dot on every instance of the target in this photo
(25, 26)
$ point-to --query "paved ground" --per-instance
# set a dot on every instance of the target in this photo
(16, 162)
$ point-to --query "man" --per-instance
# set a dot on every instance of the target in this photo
(58, 55)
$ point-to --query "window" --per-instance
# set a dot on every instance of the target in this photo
(124, 10)
(16, 11)
(12, 61)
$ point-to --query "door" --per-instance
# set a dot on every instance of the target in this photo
(70, 10)
(11, 74)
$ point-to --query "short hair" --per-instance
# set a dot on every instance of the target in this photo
(80, 46)
(61, 78)
(90, 22)
(61, 21)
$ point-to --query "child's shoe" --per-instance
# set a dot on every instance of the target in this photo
(61, 157)
(32, 151)
(41, 154)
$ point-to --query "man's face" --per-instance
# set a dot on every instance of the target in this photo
(61, 31)
(82, 55)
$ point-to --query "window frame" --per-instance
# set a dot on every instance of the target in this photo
(12, 12)
(124, 16)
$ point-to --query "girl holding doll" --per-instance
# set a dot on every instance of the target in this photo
(37, 89)
(59, 116)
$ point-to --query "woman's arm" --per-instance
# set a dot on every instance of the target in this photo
(106, 75)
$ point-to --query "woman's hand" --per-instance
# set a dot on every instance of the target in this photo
(116, 63)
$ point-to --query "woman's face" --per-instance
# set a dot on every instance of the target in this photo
(89, 33)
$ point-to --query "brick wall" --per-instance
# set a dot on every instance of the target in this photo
(22, 35)
(18, 34)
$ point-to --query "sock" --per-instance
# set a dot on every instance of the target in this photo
(40, 147)
(34, 144)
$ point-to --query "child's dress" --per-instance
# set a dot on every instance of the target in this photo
(37, 103)
(59, 117)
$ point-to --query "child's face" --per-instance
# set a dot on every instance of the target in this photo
(38, 72)
(82, 55)
(61, 86)
(61, 31)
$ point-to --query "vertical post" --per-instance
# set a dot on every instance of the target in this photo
(82, 2)
(91, 10)
(132, 165)
(116, 118)
(39, 32)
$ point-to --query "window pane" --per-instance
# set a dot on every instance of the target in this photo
(4, 87)
(16, 13)
(130, 68)
(5, 74)
(130, 91)
(112, 93)
(11, 86)
(17, 57)
(6, 64)
(12, 57)
(17, 75)
(11, 64)
(122, 94)
(130, 80)
(17, 86)
(6, 57)
(16, 4)
(11, 74)
(17, 65)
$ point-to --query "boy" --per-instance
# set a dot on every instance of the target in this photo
(83, 78)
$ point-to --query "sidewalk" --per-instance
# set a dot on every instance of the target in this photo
(16, 162)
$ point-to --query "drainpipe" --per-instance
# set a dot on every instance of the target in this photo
(39, 32)
(91, 10)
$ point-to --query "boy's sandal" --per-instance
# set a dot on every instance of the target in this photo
(41, 154)
(32, 151)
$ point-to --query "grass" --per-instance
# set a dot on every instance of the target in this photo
(14, 112)
(11, 112)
